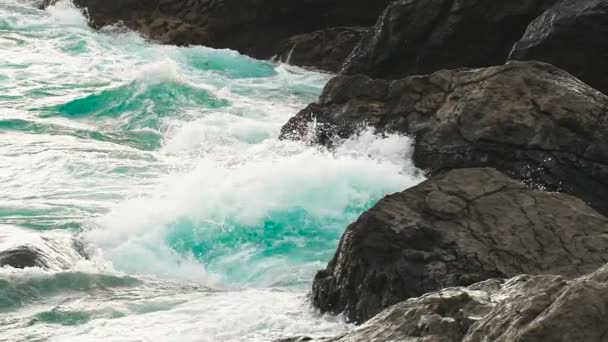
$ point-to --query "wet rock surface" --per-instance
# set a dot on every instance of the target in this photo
(253, 27)
(415, 37)
(531, 120)
(572, 36)
(521, 309)
(324, 49)
(462, 227)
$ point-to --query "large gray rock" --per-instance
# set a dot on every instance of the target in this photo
(528, 119)
(571, 35)
(253, 27)
(522, 309)
(422, 36)
(462, 227)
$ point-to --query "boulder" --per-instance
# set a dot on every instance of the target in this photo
(422, 36)
(325, 49)
(528, 119)
(51, 250)
(456, 229)
(571, 35)
(253, 27)
(22, 257)
(522, 309)
(547, 309)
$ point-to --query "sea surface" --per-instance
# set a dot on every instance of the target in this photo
(152, 179)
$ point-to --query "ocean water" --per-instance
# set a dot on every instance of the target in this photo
(152, 179)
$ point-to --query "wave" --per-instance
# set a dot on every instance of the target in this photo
(22, 287)
(253, 215)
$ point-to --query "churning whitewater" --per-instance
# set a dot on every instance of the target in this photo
(152, 181)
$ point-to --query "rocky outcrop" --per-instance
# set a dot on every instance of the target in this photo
(572, 36)
(462, 227)
(422, 36)
(522, 309)
(253, 27)
(530, 120)
(325, 49)
(22, 257)
(21, 248)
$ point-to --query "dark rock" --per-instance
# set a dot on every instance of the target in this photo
(530, 120)
(295, 339)
(422, 36)
(326, 49)
(253, 27)
(548, 309)
(461, 227)
(21, 248)
(522, 309)
(571, 35)
(22, 257)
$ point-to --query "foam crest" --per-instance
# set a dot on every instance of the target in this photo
(65, 13)
(240, 189)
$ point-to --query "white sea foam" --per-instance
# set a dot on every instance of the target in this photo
(220, 170)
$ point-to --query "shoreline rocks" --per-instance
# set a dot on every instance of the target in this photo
(530, 120)
(572, 36)
(325, 49)
(525, 308)
(50, 250)
(456, 229)
(255, 28)
(414, 37)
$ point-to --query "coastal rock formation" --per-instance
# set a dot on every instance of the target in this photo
(422, 36)
(456, 229)
(21, 248)
(522, 309)
(256, 28)
(528, 119)
(22, 257)
(325, 49)
(572, 36)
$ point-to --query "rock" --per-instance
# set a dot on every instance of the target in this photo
(325, 49)
(51, 250)
(522, 309)
(548, 309)
(528, 119)
(253, 27)
(422, 36)
(571, 35)
(22, 257)
(295, 339)
(458, 228)
(443, 316)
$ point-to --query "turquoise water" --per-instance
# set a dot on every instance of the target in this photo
(163, 163)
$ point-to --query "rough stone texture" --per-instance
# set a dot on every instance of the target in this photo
(422, 36)
(461, 227)
(253, 27)
(528, 119)
(325, 49)
(443, 316)
(522, 309)
(571, 35)
(548, 309)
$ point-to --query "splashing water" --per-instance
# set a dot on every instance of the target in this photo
(164, 163)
